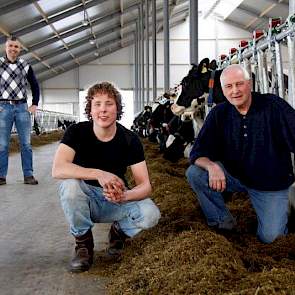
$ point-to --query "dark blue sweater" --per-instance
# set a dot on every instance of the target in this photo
(256, 147)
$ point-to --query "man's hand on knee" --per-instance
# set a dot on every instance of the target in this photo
(217, 180)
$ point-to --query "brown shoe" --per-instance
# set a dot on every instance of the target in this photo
(2, 180)
(83, 257)
(116, 241)
(30, 180)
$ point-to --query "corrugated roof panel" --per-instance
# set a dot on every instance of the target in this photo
(37, 36)
(54, 5)
(19, 18)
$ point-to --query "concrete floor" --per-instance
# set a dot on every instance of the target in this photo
(35, 245)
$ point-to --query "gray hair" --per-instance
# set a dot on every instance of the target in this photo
(236, 67)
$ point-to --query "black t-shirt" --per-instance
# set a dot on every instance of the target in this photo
(114, 156)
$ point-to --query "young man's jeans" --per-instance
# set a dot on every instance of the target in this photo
(18, 114)
(85, 205)
(271, 207)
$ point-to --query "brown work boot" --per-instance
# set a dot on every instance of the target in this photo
(2, 180)
(83, 257)
(30, 180)
(116, 241)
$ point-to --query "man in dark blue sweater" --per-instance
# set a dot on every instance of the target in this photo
(245, 145)
(15, 73)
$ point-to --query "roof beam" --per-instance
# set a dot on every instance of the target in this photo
(251, 12)
(96, 20)
(67, 11)
(54, 30)
(82, 53)
(3, 31)
(77, 29)
(211, 9)
(105, 52)
(106, 44)
(103, 33)
(76, 44)
(6, 8)
(89, 59)
(238, 25)
(278, 2)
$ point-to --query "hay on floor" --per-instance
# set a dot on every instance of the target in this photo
(182, 255)
(37, 140)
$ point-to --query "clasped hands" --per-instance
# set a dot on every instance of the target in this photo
(114, 188)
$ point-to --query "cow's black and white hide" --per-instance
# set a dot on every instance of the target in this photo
(160, 117)
(60, 124)
(181, 133)
(195, 113)
(218, 96)
(173, 93)
(194, 85)
(183, 128)
(64, 124)
(201, 80)
(141, 121)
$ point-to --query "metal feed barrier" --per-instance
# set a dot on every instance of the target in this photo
(45, 121)
(263, 57)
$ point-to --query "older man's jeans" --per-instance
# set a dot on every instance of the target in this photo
(85, 205)
(19, 115)
(271, 207)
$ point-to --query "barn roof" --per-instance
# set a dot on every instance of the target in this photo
(58, 36)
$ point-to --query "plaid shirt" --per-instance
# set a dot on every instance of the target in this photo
(14, 78)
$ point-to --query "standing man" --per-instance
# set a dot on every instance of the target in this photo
(92, 160)
(245, 145)
(14, 75)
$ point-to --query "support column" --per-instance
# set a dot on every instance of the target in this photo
(139, 59)
(166, 45)
(147, 44)
(193, 21)
(154, 34)
(142, 55)
(136, 96)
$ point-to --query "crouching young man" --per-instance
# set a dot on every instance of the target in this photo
(92, 160)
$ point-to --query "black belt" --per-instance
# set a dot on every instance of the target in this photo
(13, 101)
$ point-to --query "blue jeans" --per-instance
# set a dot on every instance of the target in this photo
(84, 205)
(271, 207)
(19, 115)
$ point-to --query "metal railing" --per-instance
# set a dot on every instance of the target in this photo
(263, 55)
(45, 121)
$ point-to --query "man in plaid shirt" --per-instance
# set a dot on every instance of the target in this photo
(15, 74)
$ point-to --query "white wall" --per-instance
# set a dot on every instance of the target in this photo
(61, 94)
(215, 38)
